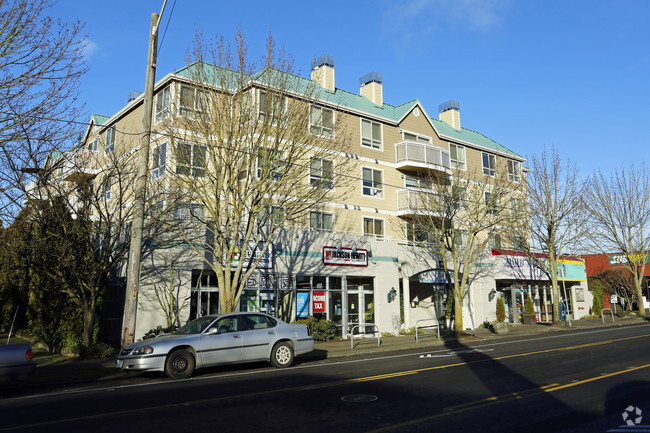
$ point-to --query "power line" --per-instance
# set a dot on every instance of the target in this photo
(166, 26)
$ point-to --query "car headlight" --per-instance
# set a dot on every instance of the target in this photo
(146, 350)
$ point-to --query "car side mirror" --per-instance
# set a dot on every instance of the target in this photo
(212, 331)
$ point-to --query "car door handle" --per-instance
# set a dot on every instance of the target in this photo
(235, 336)
(271, 333)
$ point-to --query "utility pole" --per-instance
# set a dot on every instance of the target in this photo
(140, 189)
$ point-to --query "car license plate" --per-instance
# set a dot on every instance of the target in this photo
(119, 363)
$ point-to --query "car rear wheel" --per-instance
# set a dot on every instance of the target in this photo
(282, 355)
(179, 364)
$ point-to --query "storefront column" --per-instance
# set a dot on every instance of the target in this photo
(545, 302)
(406, 292)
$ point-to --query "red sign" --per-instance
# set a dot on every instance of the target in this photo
(320, 302)
(345, 256)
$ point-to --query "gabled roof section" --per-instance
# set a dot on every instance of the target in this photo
(100, 119)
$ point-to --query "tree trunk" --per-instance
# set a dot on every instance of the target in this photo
(458, 311)
(89, 327)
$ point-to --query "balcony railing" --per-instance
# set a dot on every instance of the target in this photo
(78, 162)
(415, 202)
(410, 154)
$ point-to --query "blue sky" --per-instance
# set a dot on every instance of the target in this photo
(574, 74)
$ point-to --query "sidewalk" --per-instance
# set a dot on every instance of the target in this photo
(79, 372)
(429, 341)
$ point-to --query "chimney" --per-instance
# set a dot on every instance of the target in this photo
(371, 87)
(450, 113)
(322, 71)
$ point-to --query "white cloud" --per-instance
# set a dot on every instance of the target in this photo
(89, 49)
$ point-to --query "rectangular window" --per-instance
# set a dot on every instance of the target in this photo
(159, 159)
(188, 212)
(494, 241)
(373, 184)
(272, 108)
(408, 136)
(107, 184)
(489, 164)
(516, 208)
(321, 172)
(162, 104)
(321, 121)
(191, 159)
(321, 220)
(270, 163)
(110, 140)
(514, 171)
(417, 182)
(457, 156)
(371, 134)
(459, 197)
(373, 227)
(193, 101)
(491, 203)
(518, 243)
(418, 233)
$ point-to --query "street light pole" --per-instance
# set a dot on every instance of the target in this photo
(133, 269)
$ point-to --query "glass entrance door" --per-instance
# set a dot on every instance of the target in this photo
(360, 305)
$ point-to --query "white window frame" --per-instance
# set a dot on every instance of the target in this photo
(316, 126)
(319, 217)
(420, 182)
(492, 206)
(192, 168)
(457, 163)
(514, 170)
(374, 222)
(261, 115)
(491, 168)
(316, 178)
(375, 191)
(199, 101)
(281, 164)
(110, 140)
(371, 141)
(419, 138)
(159, 160)
(162, 104)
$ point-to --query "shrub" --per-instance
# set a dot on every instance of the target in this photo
(320, 330)
(501, 311)
(157, 331)
(529, 308)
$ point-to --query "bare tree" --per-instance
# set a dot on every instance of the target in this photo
(459, 217)
(91, 236)
(254, 151)
(558, 219)
(620, 210)
(41, 62)
(619, 281)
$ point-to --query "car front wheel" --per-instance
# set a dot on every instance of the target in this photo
(179, 364)
(282, 355)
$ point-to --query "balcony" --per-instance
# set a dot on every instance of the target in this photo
(78, 164)
(416, 156)
(411, 202)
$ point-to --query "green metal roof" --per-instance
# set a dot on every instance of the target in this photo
(342, 98)
(100, 119)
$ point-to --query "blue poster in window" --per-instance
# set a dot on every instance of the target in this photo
(302, 304)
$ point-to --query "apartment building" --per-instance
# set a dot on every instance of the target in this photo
(352, 259)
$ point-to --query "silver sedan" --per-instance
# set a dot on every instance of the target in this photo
(221, 339)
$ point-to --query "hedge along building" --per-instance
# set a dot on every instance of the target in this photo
(349, 258)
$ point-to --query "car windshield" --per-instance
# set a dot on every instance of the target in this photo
(195, 326)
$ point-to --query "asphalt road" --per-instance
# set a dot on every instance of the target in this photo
(579, 381)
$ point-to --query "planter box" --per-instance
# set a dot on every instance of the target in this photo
(529, 319)
(501, 328)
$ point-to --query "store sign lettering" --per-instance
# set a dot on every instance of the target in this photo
(344, 256)
(320, 302)
(621, 259)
